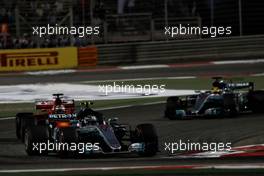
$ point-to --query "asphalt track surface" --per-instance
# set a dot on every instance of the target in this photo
(243, 130)
(105, 74)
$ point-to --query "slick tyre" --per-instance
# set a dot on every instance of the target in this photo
(67, 136)
(230, 105)
(256, 101)
(147, 134)
(171, 107)
(23, 120)
(33, 137)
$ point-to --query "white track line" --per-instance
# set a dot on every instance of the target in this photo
(234, 166)
(50, 72)
(258, 74)
(217, 166)
(115, 107)
(75, 169)
(252, 61)
(228, 62)
(7, 118)
(136, 67)
(140, 79)
(182, 77)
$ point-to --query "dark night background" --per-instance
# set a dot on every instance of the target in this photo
(134, 22)
(226, 12)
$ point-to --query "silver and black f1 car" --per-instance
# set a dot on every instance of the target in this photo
(58, 125)
(225, 99)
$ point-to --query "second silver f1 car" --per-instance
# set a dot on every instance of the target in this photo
(225, 99)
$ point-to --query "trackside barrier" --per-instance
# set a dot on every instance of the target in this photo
(87, 56)
(38, 59)
(246, 47)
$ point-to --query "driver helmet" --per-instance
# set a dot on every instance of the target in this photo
(91, 120)
(216, 90)
(220, 84)
(59, 109)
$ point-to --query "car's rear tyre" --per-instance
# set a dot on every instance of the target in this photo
(171, 106)
(68, 136)
(256, 101)
(230, 105)
(23, 120)
(33, 138)
(147, 134)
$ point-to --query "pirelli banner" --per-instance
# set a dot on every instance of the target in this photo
(38, 59)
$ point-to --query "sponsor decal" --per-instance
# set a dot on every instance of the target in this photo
(38, 59)
(62, 116)
(29, 59)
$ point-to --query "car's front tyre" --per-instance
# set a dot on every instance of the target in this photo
(147, 134)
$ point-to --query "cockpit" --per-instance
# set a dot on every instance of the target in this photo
(91, 120)
(206, 100)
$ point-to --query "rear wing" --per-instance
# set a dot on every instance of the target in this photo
(46, 105)
(234, 86)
